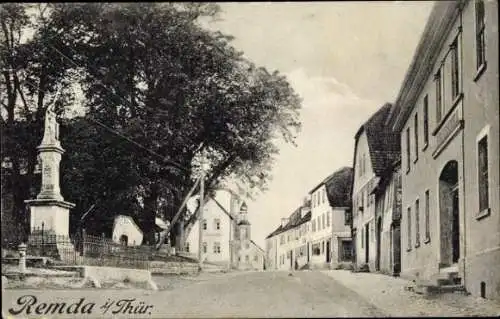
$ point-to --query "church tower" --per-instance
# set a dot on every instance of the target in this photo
(243, 224)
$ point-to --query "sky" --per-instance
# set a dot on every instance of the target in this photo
(345, 59)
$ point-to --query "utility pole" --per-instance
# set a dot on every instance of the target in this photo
(200, 216)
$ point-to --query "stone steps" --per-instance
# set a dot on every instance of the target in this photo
(443, 282)
(430, 289)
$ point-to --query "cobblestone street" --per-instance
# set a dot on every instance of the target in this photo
(272, 294)
(389, 295)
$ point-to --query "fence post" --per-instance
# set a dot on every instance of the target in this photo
(103, 247)
(84, 235)
(43, 240)
(22, 257)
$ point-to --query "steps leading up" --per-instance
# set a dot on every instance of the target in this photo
(443, 282)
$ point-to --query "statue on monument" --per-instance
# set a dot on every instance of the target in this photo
(51, 127)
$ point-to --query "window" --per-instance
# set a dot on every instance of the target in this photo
(415, 133)
(282, 239)
(480, 43)
(408, 152)
(322, 196)
(426, 121)
(408, 220)
(455, 75)
(247, 246)
(217, 248)
(246, 258)
(313, 225)
(205, 248)
(323, 247)
(347, 217)
(255, 258)
(187, 247)
(204, 224)
(483, 174)
(328, 219)
(439, 104)
(217, 224)
(323, 221)
(316, 249)
(243, 233)
(417, 223)
(346, 250)
(427, 225)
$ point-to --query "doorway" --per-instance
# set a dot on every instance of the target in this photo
(379, 237)
(353, 246)
(449, 214)
(455, 244)
(396, 248)
(328, 251)
(124, 240)
(367, 243)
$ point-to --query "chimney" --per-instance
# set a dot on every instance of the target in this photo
(305, 202)
(284, 221)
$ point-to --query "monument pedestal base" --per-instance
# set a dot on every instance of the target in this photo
(49, 222)
(50, 214)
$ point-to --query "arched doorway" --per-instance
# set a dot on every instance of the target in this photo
(449, 214)
(378, 238)
(124, 240)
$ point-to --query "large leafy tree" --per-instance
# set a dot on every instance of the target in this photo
(159, 92)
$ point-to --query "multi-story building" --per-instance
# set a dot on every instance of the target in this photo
(449, 124)
(388, 220)
(338, 188)
(272, 259)
(321, 227)
(317, 234)
(226, 237)
(287, 246)
(376, 147)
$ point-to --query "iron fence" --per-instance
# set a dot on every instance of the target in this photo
(85, 249)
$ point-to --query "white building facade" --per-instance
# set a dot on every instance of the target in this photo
(226, 234)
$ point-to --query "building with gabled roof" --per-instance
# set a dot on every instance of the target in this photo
(287, 245)
(376, 148)
(317, 233)
(226, 237)
(450, 127)
(338, 189)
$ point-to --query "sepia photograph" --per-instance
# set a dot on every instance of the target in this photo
(250, 159)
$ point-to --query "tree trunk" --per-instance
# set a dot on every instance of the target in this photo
(149, 215)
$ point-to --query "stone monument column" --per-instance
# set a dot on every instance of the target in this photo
(49, 207)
